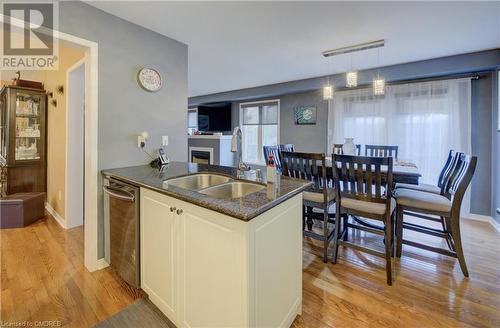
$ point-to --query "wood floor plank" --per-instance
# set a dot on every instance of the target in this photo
(43, 278)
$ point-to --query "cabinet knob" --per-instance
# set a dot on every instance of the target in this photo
(172, 209)
(179, 211)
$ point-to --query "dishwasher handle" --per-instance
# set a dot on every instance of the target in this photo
(119, 193)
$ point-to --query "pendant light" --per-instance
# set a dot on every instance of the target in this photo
(351, 77)
(328, 88)
(378, 82)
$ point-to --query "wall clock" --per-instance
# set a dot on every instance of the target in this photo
(149, 79)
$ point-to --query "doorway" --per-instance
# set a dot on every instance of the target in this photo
(75, 144)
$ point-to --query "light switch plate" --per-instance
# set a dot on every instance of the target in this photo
(164, 140)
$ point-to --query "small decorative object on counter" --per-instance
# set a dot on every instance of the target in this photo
(349, 148)
(271, 170)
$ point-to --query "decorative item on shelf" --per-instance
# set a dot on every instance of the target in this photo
(54, 102)
(149, 79)
(60, 89)
(349, 147)
(305, 115)
(25, 83)
(352, 79)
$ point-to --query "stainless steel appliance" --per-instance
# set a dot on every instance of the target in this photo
(121, 206)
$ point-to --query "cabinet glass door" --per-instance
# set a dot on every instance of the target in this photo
(28, 109)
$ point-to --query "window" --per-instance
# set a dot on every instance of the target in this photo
(425, 119)
(260, 127)
(192, 120)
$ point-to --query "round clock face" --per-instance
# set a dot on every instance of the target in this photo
(150, 79)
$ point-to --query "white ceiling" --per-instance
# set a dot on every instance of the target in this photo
(234, 45)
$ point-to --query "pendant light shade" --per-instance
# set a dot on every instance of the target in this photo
(379, 86)
(352, 79)
(328, 92)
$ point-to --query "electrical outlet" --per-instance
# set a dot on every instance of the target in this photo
(59, 194)
(164, 140)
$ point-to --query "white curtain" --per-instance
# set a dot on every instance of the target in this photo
(425, 119)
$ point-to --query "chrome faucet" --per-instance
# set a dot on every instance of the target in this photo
(237, 148)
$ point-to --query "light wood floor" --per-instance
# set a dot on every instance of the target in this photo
(43, 278)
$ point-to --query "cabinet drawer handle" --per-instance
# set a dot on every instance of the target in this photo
(172, 209)
(179, 211)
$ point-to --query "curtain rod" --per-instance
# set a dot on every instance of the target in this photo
(472, 76)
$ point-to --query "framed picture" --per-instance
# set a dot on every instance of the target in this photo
(305, 115)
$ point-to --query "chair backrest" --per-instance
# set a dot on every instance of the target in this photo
(363, 178)
(460, 179)
(338, 149)
(381, 151)
(287, 147)
(447, 170)
(275, 151)
(306, 166)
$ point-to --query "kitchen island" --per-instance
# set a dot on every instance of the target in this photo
(216, 248)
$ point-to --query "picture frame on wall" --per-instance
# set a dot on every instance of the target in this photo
(305, 115)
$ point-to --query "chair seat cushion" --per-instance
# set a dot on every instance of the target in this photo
(422, 200)
(365, 206)
(420, 187)
(317, 197)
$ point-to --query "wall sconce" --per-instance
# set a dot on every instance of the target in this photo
(60, 89)
(142, 138)
(50, 94)
(54, 102)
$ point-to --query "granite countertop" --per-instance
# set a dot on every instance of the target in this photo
(244, 208)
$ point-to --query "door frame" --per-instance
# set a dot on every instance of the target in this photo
(91, 256)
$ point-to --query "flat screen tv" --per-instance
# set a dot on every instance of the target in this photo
(215, 117)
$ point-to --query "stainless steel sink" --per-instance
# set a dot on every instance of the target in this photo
(197, 181)
(235, 189)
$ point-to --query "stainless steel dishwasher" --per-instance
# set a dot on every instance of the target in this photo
(121, 207)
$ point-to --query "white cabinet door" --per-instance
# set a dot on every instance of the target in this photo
(159, 251)
(212, 269)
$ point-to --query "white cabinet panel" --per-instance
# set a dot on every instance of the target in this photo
(159, 252)
(212, 270)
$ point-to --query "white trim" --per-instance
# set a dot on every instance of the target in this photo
(102, 263)
(209, 136)
(483, 218)
(209, 149)
(82, 61)
(59, 219)
(240, 111)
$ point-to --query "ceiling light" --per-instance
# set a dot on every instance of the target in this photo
(354, 48)
(379, 86)
(328, 92)
(352, 79)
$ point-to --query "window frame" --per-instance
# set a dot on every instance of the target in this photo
(278, 123)
(189, 128)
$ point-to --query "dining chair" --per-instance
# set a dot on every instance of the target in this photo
(338, 149)
(381, 151)
(443, 177)
(361, 190)
(275, 151)
(287, 147)
(312, 167)
(425, 205)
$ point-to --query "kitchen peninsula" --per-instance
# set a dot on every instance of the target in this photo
(218, 250)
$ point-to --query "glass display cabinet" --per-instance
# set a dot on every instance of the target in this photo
(22, 140)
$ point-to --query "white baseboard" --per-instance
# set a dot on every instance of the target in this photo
(101, 263)
(56, 215)
(483, 218)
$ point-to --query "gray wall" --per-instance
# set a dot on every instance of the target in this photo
(126, 110)
(495, 167)
(482, 111)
